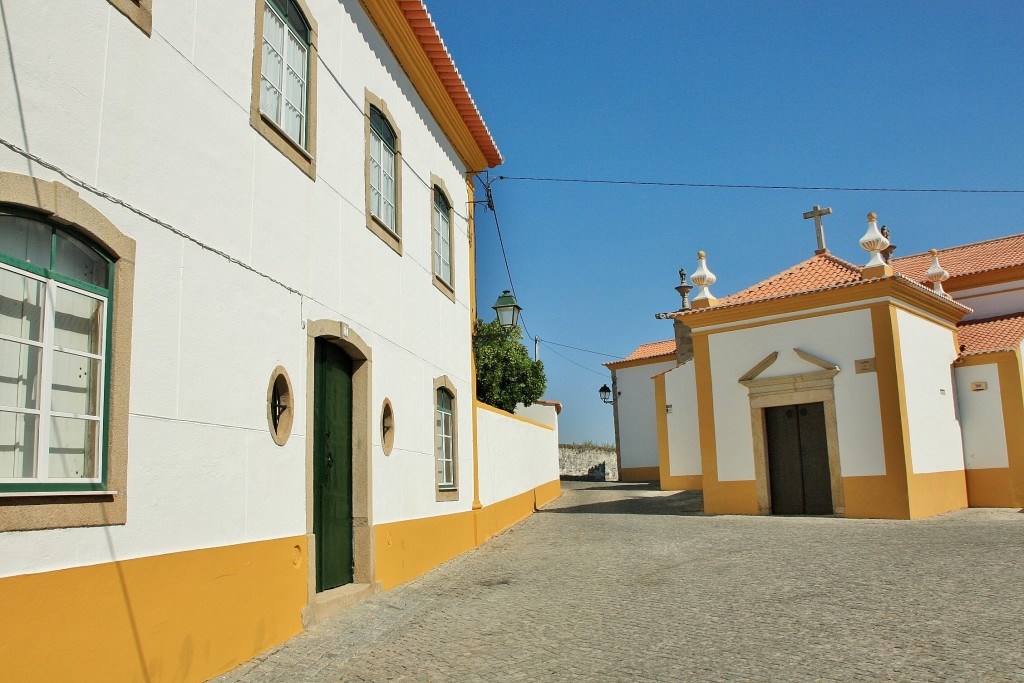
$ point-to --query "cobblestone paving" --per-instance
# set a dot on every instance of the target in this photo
(622, 582)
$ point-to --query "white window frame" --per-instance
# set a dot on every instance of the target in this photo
(45, 412)
(271, 14)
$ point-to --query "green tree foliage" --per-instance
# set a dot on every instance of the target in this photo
(505, 374)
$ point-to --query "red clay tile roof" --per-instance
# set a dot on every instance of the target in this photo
(979, 257)
(817, 272)
(992, 334)
(429, 38)
(651, 350)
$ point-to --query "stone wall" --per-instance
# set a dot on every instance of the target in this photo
(587, 462)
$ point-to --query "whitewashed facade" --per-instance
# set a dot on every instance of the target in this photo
(241, 247)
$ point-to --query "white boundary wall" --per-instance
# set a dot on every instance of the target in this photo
(515, 456)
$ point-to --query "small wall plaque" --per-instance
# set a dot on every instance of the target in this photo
(979, 386)
(864, 365)
(668, 408)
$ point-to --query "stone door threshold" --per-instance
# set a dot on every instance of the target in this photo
(328, 603)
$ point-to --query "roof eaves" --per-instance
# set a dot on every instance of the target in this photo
(425, 30)
(840, 285)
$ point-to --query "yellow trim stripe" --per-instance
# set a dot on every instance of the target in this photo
(888, 287)
(505, 413)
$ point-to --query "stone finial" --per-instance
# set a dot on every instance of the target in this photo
(874, 242)
(888, 251)
(703, 278)
(684, 290)
(937, 274)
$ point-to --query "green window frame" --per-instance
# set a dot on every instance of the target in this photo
(55, 370)
(442, 236)
(383, 170)
(444, 426)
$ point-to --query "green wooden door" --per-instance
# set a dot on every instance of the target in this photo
(798, 470)
(332, 466)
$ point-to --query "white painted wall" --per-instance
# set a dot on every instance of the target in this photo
(683, 430)
(840, 338)
(928, 350)
(981, 417)
(539, 412)
(638, 436)
(163, 124)
(515, 456)
(992, 300)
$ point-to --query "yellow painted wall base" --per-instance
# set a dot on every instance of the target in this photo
(639, 474)
(876, 497)
(992, 488)
(731, 498)
(178, 617)
(548, 492)
(933, 493)
(409, 548)
(682, 482)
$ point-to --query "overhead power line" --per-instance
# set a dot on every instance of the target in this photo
(725, 186)
(579, 365)
(576, 348)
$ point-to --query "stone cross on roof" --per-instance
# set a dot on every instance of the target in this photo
(816, 214)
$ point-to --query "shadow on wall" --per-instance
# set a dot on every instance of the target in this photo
(587, 462)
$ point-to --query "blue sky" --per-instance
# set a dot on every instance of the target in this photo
(857, 94)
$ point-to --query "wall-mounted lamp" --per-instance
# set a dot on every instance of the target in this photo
(507, 309)
(605, 393)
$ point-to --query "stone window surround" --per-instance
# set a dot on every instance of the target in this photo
(392, 238)
(140, 12)
(809, 387)
(387, 426)
(451, 493)
(446, 288)
(284, 425)
(304, 159)
(33, 510)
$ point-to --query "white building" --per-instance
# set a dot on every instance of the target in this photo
(236, 303)
(636, 440)
(869, 391)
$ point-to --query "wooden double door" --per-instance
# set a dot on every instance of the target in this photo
(798, 468)
(332, 466)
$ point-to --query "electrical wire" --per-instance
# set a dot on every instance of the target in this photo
(576, 348)
(579, 365)
(501, 242)
(599, 181)
(512, 286)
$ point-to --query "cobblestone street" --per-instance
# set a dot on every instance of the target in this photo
(624, 582)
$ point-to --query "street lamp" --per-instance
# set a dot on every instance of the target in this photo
(605, 393)
(507, 310)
